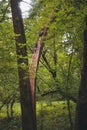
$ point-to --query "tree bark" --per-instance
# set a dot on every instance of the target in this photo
(81, 110)
(28, 122)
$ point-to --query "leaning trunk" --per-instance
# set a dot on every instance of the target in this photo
(34, 66)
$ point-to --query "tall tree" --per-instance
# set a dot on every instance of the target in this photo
(81, 111)
(28, 122)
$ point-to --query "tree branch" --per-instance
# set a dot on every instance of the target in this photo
(60, 92)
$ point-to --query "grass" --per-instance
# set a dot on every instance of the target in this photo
(50, 116)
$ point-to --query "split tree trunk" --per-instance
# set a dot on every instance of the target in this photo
(34, 66)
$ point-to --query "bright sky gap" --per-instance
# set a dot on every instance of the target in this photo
(25, 6)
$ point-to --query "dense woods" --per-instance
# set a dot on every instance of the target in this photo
(43, 65)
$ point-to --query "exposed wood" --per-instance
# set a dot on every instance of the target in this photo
(34, 63)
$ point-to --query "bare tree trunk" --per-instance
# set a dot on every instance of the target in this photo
(28, 122)
(8, 115)
(11, 107)
(81, 111)
(34, 66)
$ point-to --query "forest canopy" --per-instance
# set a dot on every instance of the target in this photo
(57, 24)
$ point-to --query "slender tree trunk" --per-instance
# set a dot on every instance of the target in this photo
(81, 111)
(8, 115)
(11, 107)
(28, 122)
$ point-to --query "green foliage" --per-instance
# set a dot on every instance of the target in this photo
(50, 115)
(63, 51)
(66, 25)
(8, 65)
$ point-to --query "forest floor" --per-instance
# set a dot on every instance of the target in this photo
(50, 116)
